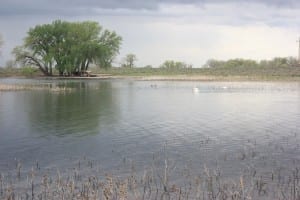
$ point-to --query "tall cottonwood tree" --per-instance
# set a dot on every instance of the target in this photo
(129, 60)
(70, 47)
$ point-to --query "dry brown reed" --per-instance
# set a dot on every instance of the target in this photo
(38, 184)
(16, 87)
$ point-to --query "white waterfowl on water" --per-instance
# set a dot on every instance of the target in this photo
(224, 87)
(195, 90)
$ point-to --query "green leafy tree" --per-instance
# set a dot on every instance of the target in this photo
(232, 63)
(148, 67)
(10, 64)
(212, 63)
(279, 62)
(29, 58)
(240, 63)
(173, 65)
(292, 61)
(247, 63)
(110, 48)
(129, 61)
(70, 47)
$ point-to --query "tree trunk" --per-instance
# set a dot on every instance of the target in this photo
(50, 68)
(87, 65)
(45, 72)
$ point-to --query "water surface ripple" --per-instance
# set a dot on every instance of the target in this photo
(120, 119)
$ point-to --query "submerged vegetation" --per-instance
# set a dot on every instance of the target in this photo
(16, 87)
(85, 179)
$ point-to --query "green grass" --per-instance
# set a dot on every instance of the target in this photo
(19, 72)
(288, 73)
(269, 73)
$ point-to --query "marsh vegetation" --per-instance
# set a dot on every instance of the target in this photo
(161, 180)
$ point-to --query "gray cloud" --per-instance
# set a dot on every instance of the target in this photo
(209, 21)
(79, 7)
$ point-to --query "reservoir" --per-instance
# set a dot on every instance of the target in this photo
(123, 123)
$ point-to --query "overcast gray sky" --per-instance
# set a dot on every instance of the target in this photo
(156, 30)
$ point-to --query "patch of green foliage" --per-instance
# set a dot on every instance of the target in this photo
(277, 68)
(68, 47)
(174, 65)
(29, 71)
(17, 72)
(129, 61)
(7, 72)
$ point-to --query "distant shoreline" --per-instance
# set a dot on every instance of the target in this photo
(287, 73)
(207, 78)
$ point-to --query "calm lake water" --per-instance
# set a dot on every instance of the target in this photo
(228, 124)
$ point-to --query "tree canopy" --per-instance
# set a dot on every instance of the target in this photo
(129, 60)
(246, 63)
(173, 65)
(70, 47)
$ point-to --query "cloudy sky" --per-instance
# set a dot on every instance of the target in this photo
(157, 30)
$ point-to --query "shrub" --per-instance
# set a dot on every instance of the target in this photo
(29, 71)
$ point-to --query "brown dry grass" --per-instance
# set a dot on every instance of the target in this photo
(16, 87)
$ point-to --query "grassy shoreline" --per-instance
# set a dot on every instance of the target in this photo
(287, 73)
(189, 74)
(202, 78)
